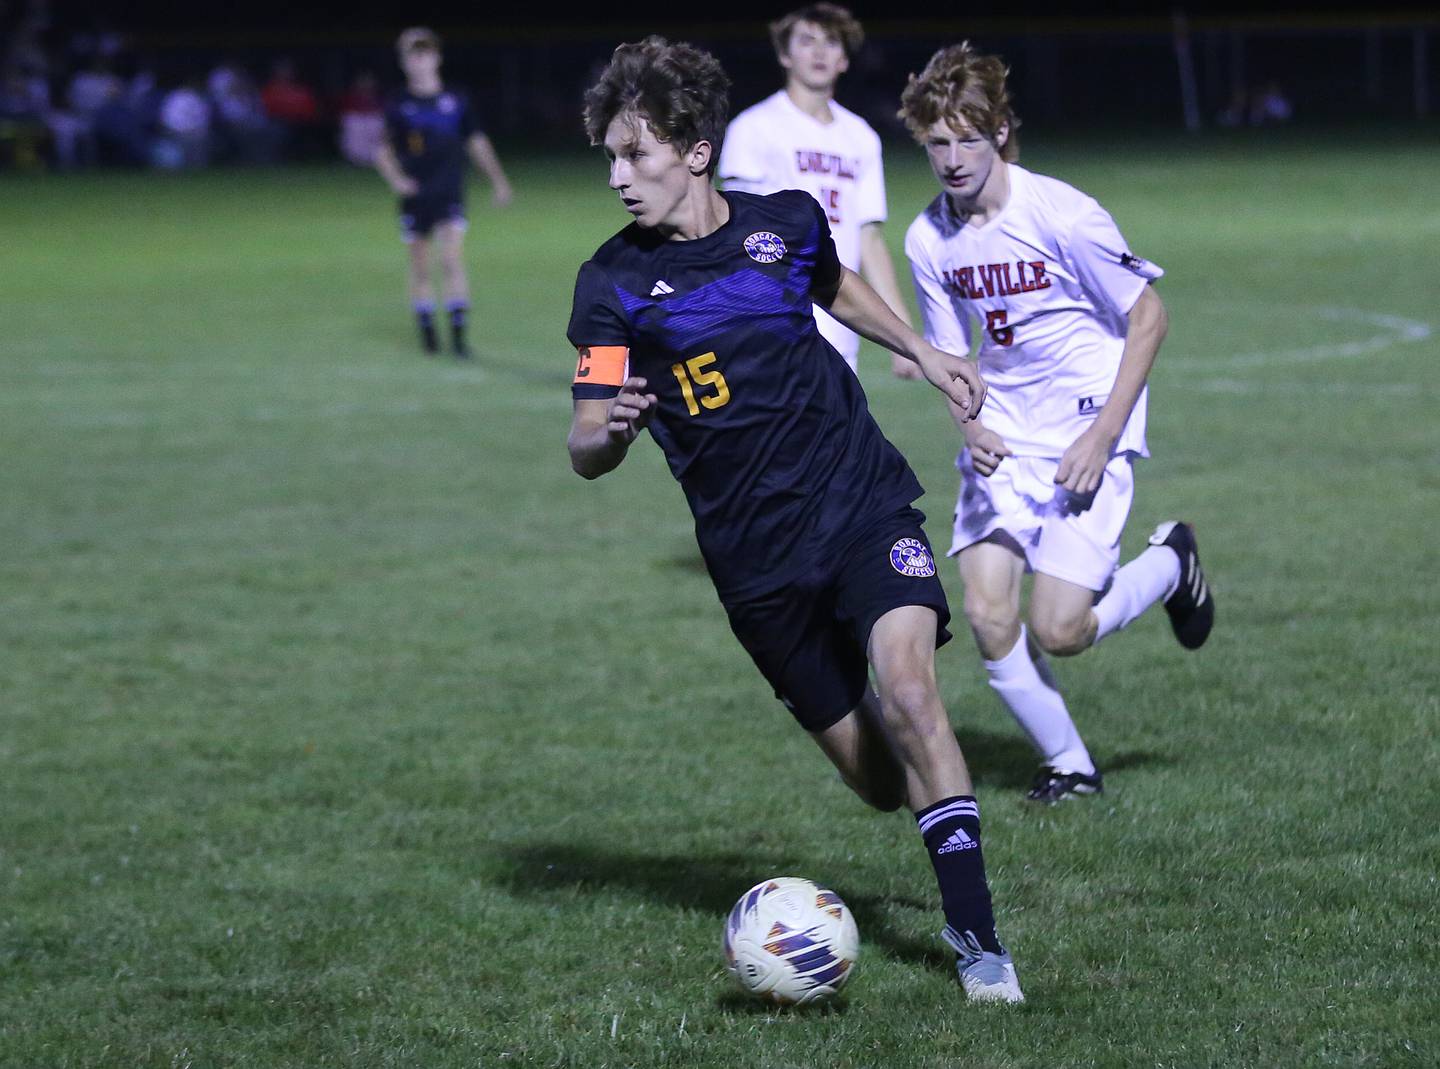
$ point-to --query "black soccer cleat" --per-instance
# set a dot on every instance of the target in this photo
(1055, 785)
(462, 352)
(429, 340)
(1191, 607)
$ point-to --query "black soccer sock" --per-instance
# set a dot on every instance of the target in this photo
(457, 310)
(425, 320)
(951, 830)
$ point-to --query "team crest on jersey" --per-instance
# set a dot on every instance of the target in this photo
(764, 247)
(911, 557)
(447, 104)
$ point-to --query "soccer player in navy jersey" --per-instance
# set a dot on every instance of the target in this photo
(429, 130)
(695, 322)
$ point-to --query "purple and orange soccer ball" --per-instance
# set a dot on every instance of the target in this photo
(791, 941)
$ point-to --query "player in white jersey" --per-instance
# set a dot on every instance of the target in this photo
(800, 138)
(1068, 327)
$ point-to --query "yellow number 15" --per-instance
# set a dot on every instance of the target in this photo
(698, 376)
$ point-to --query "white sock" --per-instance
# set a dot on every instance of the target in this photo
(1029, 692)
(1149, 578)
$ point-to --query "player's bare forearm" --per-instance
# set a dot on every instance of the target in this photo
(1082, 466)
(1148, 325)
(601, 431)
(390, 170)
(856, 304)
(860, 308)
(592, 451)
(487, 162)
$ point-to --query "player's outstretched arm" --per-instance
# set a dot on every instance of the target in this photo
(487, 161)
(860, 308)
(601, 430)
(1083, 464)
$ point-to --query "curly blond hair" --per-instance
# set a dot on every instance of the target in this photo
(962, 86)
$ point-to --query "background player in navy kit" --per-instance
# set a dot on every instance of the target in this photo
(429, 130)
(696, 321)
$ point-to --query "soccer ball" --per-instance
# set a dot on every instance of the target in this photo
(790, 941)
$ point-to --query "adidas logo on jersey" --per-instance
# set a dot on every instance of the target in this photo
(958, 840)
(662, 289)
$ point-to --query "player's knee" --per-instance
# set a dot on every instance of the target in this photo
(1062, 637)
(991, 620)
(911, 708)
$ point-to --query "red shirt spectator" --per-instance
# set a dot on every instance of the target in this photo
(289, 100)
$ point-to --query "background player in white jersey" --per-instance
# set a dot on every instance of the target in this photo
(800, 138)
(1069, 327)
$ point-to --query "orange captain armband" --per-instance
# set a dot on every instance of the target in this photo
(600, 371)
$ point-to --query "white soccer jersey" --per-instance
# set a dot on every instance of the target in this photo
(774, 145)
(1049, 284)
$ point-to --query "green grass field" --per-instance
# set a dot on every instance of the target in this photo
(343, 726)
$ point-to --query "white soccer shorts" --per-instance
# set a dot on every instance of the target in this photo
(1069, 536)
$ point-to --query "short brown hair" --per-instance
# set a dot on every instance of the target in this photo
(681, 91)
(832, 18)
(417, 38)
(961, 84)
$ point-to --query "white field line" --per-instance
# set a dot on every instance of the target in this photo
(1388, 331)
(1399, 391)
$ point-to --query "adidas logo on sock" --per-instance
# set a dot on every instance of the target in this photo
(661, 289)
(958, 840)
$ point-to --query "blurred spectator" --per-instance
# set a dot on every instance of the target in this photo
(22, 121)
(294, 107)
(121, 134)
(1270, 105)
(243, 132)
(1236, 112)
(185, 127)
(1259, 107)
(91, 88)
(18, 100)
(101, 42)
(362, 120)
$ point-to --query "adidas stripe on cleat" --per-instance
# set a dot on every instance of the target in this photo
(985, 976)
(1191, 606)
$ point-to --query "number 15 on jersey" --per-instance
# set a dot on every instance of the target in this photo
(693, 376)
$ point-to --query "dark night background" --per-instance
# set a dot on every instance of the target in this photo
(1110, 67)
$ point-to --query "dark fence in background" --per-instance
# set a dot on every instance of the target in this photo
(1125, 72)
(1080, 75)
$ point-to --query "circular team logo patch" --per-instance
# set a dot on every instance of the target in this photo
(911, 557)
(764, 247)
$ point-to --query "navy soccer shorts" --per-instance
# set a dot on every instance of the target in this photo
(809, 638)
(422, 213)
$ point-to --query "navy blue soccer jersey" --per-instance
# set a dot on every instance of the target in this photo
(761, 421)
(428, 135)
